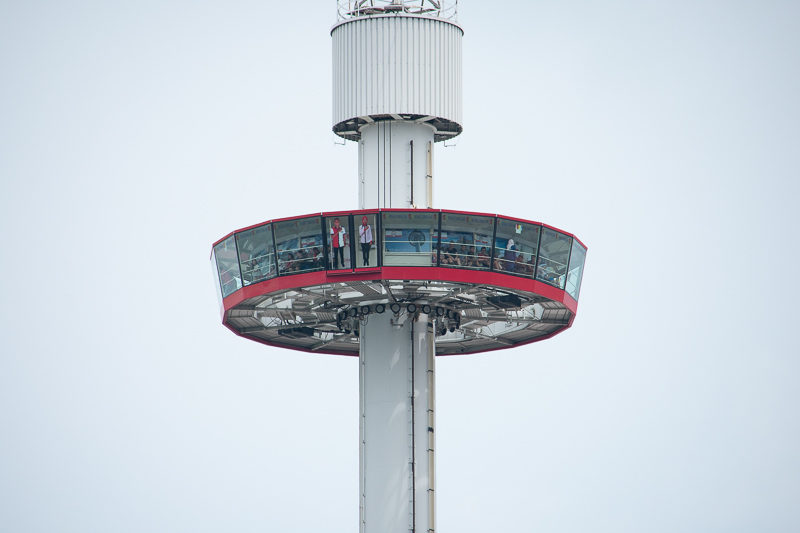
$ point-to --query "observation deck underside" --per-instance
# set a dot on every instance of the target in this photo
(468, 318)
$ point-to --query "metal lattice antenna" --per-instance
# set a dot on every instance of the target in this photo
(443, 9)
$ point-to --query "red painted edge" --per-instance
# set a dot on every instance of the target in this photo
(469, 213)
(568, 234)
(524, 221)
(340, 272)
(253, 226)
(285, 219)
(347, 213)
(396, 209)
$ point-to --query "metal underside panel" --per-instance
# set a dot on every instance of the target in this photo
(483, 317)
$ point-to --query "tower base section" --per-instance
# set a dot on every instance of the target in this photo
(396, 381)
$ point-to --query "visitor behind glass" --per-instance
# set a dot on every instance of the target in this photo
(338, 242)
(365, 238)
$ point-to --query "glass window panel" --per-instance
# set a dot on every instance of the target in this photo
(256, 254)
(575, 273)
(339, 241)
(299, 245)
(215, 272)
(367, 231)
(515, 247)
(407, 238)
(553, 256)
(466, 241)
(227, 266)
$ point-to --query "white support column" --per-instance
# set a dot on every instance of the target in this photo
(424, 424)
(394, 165)
(396, 381)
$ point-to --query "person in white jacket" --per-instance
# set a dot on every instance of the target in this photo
(365, 238)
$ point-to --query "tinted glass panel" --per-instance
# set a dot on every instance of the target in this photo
(466, 241)
(575, 274)
(299, 245)
(515, 247)
(256, 254)
(553, 256)
(339, 241)
(227, 266)
(407, 238)
(367, 247)
(215, 272)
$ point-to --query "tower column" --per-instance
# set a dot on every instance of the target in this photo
(396, 91)
(396, 384)
(394, 165)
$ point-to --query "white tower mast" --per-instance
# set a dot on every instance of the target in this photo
(412, 281)
(397, 91)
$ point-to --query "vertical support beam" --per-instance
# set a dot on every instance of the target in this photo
(396, 382)
(429, 174)
(424, 393)
(411, 167)
(361, 191)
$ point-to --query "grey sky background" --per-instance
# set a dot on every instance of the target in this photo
(664, 134)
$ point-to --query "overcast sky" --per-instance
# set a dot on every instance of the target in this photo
(666, 135)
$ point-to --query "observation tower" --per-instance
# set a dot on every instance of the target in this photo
(397, 282)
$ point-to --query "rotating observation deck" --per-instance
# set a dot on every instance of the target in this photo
(487, 281)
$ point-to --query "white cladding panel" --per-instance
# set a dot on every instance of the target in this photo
(396, 377)
(396, 65)
(385, 165)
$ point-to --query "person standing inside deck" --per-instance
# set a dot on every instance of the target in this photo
(365, 238)
(338, 242)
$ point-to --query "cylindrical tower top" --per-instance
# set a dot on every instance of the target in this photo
(397, 67)
(442, 9)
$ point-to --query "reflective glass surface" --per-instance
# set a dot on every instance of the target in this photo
(515, 246)
(299, 245)
(575, 273)
(553, 257)
(215, 275)
(398, 238)
(339, 240)
(256, 254)
(367, 248)
(407, 238)
(465, 241)
(227, 266)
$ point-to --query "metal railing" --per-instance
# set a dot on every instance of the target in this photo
(442, 9)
